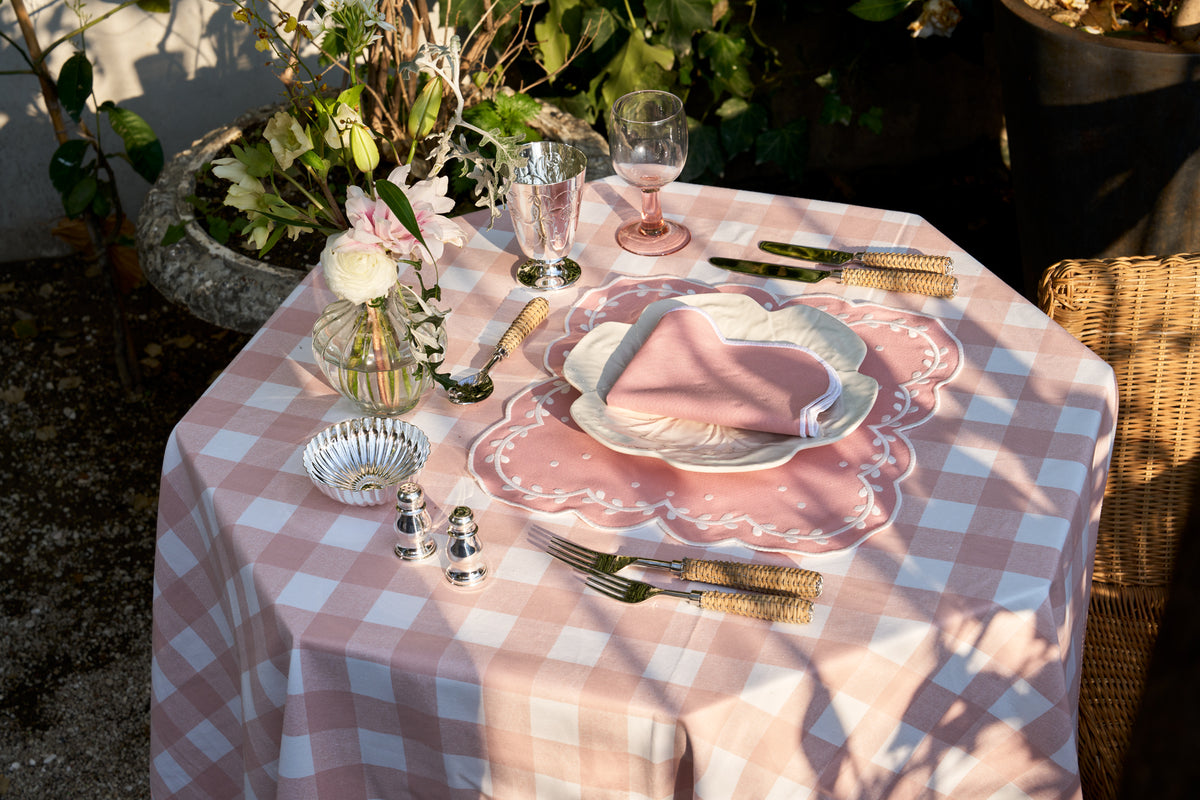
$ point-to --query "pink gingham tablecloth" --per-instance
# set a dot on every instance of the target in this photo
(296, 657)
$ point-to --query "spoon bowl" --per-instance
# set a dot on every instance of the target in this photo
(474, 388)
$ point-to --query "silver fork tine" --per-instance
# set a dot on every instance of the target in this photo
(568, 557)
(596, 582)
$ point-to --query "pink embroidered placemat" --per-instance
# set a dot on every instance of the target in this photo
(824, 500)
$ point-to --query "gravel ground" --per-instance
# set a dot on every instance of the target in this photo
(80, 458)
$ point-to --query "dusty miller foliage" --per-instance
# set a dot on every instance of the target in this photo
(492, 175)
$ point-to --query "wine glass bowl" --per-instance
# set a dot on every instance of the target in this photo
(648, 143)
(544, 200)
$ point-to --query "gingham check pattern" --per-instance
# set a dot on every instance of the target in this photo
(295, 656)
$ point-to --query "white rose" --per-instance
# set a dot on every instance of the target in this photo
(357, 272)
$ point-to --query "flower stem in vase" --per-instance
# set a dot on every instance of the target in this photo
(384, 377)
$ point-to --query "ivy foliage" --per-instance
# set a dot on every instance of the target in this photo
(711, 53)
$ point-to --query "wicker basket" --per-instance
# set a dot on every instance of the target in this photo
(1142, 316)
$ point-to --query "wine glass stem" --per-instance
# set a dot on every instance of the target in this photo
(652, 218)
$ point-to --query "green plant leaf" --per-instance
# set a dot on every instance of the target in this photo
(75, 84)
(679, 20)
(173, 234)
(66, 165)
(741, 123)
(516, 109)
(599, 23)
(835, 112)
(726, 56)
(141, 145)
(878, 10)
(704, 152)
(553, 34)
(79, 197)
(786, 146)
(638, 65)
(484, 116)
(352, 95)
(155, 6)
(258, 160)
(398, 202)
(872, 119)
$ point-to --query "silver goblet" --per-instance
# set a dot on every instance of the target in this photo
(544, 200)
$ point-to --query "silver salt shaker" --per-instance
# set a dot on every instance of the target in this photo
(467, 566)
(412, 524)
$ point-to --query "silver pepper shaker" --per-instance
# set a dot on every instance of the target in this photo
(412, 524)
(467, 566)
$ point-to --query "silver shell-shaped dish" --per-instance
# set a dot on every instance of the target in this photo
(362, 461)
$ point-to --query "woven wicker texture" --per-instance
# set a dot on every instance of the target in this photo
(763, 577)
(1142, 316)
(943, 265)
(899, 280)
(532, 315)
(761, 606)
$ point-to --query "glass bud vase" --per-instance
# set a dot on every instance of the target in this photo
(364, 351)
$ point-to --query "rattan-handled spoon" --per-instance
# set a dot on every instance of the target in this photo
(479, 386)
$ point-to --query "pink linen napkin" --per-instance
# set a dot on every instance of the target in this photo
(686, 369)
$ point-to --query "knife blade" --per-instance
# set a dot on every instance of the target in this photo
(892, 280)
(885, 260)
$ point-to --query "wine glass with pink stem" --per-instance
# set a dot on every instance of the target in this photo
(649, 143)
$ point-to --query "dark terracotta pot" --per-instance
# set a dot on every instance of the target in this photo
(1104, 136)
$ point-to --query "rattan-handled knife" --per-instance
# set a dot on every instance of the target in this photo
(942, 265)
(892, 280)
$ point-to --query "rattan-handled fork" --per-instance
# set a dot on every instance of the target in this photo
(759, 577)
(760, 606)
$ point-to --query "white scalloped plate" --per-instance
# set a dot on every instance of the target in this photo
(594, 364)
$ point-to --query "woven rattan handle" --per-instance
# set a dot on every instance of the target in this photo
(760, 606)
(895, 280)
(532, 315)
(762, 577)
(942, 265)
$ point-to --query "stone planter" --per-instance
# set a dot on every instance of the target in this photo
(234, 291)
(1104, 136)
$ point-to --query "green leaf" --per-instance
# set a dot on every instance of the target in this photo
(272, 239)
(872, 120)
(553, 34)
(352, 95)
(878, 10)
(726, 55)
(600, 24)
(259, 160)
(835, 112)
(66, 165)
(786, 146)
(516, 109)
(79, 197)
(398, 202)
(173, 234)
(75, 84)
(704, 152)
(639, 65)
(141, 145)
(679, 20)
(484, 116)
(741, 123)
(155, 6)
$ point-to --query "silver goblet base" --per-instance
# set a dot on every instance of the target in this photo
(548, 275)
